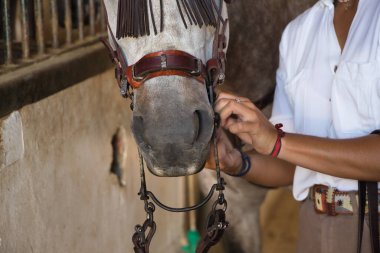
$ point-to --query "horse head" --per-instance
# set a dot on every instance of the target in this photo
(173, 119)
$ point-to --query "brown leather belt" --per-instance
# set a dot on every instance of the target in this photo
(330, 201)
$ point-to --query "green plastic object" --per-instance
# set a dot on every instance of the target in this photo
(193, 238)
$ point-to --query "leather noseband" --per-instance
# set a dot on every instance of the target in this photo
(166, 63)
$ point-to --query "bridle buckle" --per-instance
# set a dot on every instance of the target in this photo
(164, 61)
(197, 72)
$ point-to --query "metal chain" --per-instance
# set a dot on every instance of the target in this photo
(143, 234)
(141, 239)
(216, 221)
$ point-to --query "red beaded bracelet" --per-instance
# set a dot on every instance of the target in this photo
(277, 146)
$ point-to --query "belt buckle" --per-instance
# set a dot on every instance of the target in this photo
(319, 198)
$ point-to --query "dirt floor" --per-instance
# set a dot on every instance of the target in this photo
(279, 222)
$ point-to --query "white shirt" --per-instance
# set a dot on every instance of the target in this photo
(312, 99)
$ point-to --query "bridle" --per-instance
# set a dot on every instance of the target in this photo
(171, 62)
(179, 63)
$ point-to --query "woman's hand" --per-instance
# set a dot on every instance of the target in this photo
(229, 157)
(242, 118)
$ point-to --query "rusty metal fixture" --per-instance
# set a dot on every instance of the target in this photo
(25, 29)
(80, 19)
(102, 18)
(39, 27)
(119, 154)
(7, 32)
(68, 22)
(54, 23)
(45, 25)
(92, 17)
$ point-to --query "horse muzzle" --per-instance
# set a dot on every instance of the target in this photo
(173, 125)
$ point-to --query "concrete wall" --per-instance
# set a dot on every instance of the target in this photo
(56, 190)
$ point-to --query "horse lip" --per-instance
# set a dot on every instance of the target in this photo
(168, 172)
(185, 167)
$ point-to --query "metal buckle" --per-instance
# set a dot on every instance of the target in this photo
(124, 88)
(221, 78)
(197, 72)
(164, 61)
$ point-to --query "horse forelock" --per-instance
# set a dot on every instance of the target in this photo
(193, 40)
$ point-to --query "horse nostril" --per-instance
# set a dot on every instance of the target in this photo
(197, 122)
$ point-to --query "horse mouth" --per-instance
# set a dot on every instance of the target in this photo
(174, 171)
(171, 161)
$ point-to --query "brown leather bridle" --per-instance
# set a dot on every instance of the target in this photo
(171, 62)
(166, 63)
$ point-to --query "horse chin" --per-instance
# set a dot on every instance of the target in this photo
(181, 163)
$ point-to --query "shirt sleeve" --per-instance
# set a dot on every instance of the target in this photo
(282, 111)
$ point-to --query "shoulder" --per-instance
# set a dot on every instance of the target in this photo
(300, 34)
(304, 24)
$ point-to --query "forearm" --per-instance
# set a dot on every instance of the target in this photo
(351, 158)
(270, 172)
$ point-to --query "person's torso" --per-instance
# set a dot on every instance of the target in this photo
(333, 94)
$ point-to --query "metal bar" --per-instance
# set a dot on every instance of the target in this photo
(80, 19)
(39, 26)
(54, 23)
(7, 32)
(25, 29)
(102, 18)
(92, 17)
(68, 22)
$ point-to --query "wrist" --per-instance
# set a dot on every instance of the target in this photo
(236, 168)
(244, 168)
(278, 144)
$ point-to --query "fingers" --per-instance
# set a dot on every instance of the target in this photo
(227, 97)
(233, 108)
(243, 128)
(222, 102)
(229, 157)
(224, 95)
(236, 112)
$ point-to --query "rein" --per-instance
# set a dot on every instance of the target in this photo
(180, 63)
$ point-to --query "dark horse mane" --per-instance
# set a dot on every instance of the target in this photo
(133, 16)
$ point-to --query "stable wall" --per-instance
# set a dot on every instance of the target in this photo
(56, 190)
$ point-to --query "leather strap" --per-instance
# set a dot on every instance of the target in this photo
(166, 62)
(373, 215)
(361, 212)
(115, 52)
(216, 226)
(370, 190)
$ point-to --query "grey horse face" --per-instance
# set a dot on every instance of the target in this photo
(173, 124)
